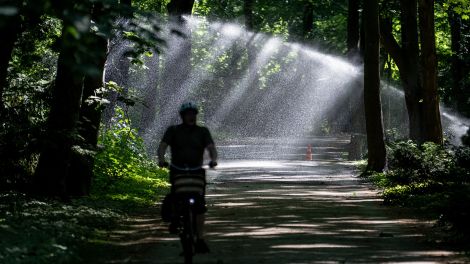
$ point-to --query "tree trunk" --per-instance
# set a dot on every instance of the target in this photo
(307, 21)
(52, 170)
(457, 64)
(9, 28)
(249, 24)
(180, 7)
(362, 42)
(248, 13)
(410, 74)
(356, 103)
(353, 28)
(432, 127)
(373, 109)
(81, 170)
(407, 59)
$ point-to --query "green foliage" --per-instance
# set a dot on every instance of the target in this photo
(26, 102)
(44, 231)
(329, 30)
(151, 5)
(461, 7)
(430, 177)
(325, 128)
(123, 170)
(279, 28)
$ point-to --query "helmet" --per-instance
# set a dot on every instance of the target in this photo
(188, 106)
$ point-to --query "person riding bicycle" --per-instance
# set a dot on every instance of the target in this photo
(187, 142)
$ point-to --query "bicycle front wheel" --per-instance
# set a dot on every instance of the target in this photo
(188, 239)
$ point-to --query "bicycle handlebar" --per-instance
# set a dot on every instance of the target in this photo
(165, 164)
(186, 168)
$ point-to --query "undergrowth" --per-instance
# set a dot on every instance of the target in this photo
(47, 231)
(432, 178)
(123, 170)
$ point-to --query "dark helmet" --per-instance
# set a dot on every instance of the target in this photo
(188, 106)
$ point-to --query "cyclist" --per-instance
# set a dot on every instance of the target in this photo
(187, 142)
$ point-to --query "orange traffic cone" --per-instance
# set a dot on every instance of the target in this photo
(309, 152)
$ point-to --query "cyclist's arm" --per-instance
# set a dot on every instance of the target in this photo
(212, 152)
(161, 152)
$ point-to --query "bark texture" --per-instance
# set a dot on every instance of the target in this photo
(459, 69)
(353, 28)
(373, 108)
(53, 167)
(81, 169)
(417, 73)
(432, 115)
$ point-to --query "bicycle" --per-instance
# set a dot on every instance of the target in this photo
(188, 185)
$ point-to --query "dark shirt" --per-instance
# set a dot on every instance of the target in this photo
(187, 144)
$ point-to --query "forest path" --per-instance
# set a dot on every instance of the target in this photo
(266, 211)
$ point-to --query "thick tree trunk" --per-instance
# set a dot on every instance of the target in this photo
(353, 28)
(90, 114)
(410, 73)
(457, 63)
(81, 170)
(432, 117)
(356, 103)
(53, 167)
(407, 59)
(362, 42)
(9, 29)
(373, 109)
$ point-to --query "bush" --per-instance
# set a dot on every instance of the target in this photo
(123, 170)
(46, 231)
(410, 163)
(430, 177)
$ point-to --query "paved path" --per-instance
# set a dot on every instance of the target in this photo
(265, 211)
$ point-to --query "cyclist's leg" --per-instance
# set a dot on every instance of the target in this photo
(201, 246)
(200, 220)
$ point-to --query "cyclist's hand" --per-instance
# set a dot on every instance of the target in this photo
(212, 164)
(163, 164)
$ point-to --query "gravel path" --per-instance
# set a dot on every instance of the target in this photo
(265, 211)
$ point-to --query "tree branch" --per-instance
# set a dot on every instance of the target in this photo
(390, 43)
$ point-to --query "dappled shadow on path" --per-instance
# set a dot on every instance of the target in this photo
(288, 212)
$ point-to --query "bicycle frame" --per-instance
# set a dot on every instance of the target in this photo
(187, 184)
(187, 230)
